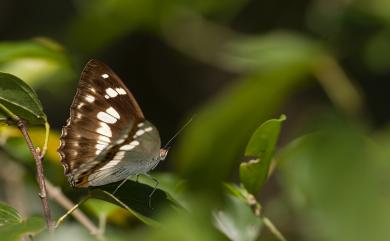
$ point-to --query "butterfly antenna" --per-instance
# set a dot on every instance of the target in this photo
(177, 133)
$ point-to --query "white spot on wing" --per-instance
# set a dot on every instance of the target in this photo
(90, 98)
(129, 146)
(93, 90)
(111, 92)
(113, 112)
(106, 96)
(105, 76)
(103, 116)
(148, 129)
(139, 132)
(140, 124)
(135, 143)
(79, 106)
(100, 146)
(104, 139)
(120, 155)
(104, 129)
(120, 91)
(110, 164)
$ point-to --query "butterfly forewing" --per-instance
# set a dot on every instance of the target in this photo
(103, 115)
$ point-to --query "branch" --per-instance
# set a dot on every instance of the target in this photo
(56, 194)
(41, 177)
(38, 163)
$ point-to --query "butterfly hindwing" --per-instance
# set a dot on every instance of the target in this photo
(138, 155)
(104, 116)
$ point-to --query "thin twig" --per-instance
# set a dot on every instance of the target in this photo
(56, 194)
(272, 228)
(256, 208)
(41, 178)
(38, 163)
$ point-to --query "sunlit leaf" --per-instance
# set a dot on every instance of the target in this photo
(260, 150)
(38, 61)
(101, 208)
(134, 197)
(20, 99)
(13, 142)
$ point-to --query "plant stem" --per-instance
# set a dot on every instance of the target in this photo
(56, 194)
(38, 162)
(41, 178)
(256, 208)
(271, 227)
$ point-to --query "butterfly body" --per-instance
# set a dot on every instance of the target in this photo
(107, 138)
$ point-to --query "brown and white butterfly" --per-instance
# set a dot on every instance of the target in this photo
(107, 138)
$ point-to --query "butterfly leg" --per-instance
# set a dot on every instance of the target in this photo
(120, 184)
(154, 189)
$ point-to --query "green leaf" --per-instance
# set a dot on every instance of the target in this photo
(8, 215)
(15, 231)
(272, 51)
(101, 208)
(260, 150)
(20, 99)
(337, 183)
(134, 197)
(237, 221)
(12, 227)
(38, 62)
(211, 145)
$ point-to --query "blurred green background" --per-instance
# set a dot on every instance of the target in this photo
(231, 65)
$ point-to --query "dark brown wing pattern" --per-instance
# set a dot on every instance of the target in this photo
(102, 114)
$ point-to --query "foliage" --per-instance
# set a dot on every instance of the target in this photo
(229, 177)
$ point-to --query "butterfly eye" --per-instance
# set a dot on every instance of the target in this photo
(163, 153)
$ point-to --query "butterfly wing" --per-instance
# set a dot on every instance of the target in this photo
(103, 115)
(137, 155)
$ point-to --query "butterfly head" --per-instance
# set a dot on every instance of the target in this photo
(163, 153)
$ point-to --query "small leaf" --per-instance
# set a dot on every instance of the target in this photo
(237, 221)
(8, 215)
(12, 227)
(20, 99)
(14, 232)
(260, 150)
(134, 197)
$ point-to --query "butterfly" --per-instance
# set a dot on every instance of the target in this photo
(107, 138)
